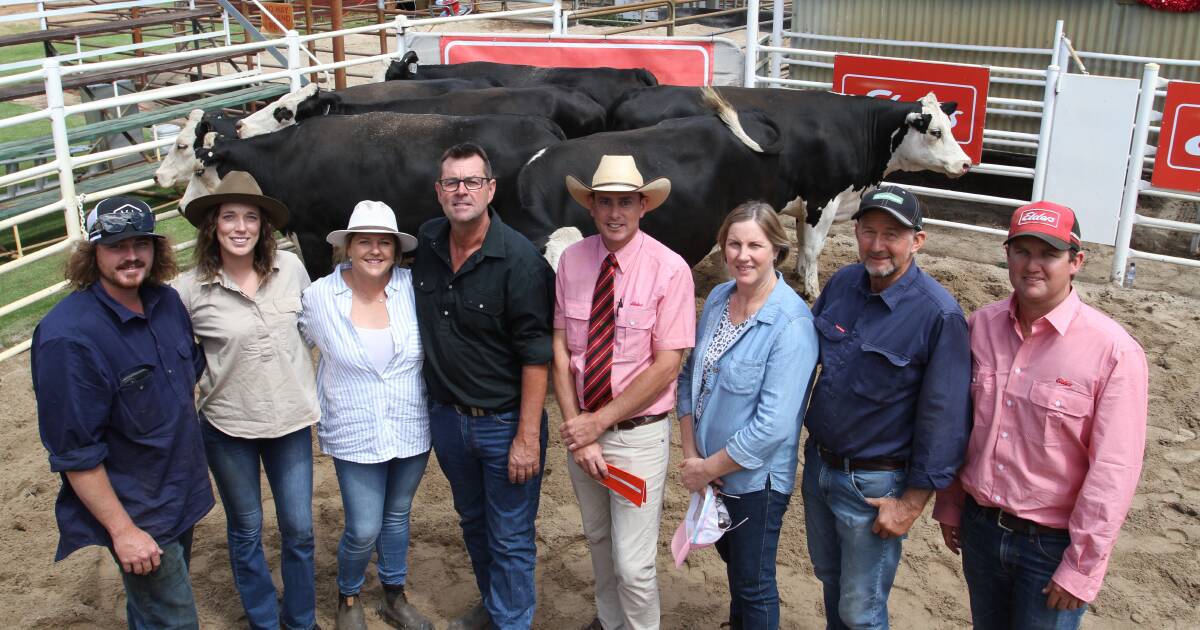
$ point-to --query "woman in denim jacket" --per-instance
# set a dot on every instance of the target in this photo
(741, 396)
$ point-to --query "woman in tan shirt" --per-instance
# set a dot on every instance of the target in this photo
(258, 398)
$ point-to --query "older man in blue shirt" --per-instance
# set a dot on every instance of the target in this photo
(890, 412)
(114, 368)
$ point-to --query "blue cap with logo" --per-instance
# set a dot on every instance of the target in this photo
(894, 200)
(117, 218)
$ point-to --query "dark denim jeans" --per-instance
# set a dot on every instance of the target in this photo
(856, 567)
(162, 599)
(496, 516)
(749, 554)
(377, 500)
(287, 460)
(1006, 572)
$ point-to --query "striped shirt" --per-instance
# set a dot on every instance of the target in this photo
(367, 416)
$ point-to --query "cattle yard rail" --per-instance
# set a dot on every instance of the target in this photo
(1058, 57)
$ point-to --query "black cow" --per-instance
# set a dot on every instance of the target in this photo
(835, 148)
(604, 85)
(322, 168)
(282, 112)
(575, 112)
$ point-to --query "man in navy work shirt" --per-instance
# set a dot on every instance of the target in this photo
(114, 369)
(890, 412)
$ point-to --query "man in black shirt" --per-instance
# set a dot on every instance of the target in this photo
(485, 298)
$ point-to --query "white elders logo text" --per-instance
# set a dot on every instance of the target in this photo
(1045, 217)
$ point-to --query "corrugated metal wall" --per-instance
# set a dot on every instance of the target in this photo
(1110, 26)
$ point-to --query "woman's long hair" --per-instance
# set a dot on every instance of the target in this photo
(208, 248)
(82, 270)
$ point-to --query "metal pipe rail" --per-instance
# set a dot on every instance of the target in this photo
(627, 8)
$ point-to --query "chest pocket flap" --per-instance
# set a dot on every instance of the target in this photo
(287, 304)
(484, 303)
(636, 317)
(884, 375)
(576, 309)
(1054, 397)
(828, 329)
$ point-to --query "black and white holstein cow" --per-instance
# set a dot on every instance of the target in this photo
(282, 112)
(180, 164)
(322, 168)
(835, 148)
(604, 85)
(714, 162)
(575, 112)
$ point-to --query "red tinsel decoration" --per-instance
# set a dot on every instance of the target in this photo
(1178, 6)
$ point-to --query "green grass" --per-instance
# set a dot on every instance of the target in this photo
(29, 130)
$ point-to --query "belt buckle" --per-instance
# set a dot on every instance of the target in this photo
(477, 412)
(1000, 521)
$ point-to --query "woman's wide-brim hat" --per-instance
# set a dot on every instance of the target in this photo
(619, 173)
(237, 187)
(372, 217)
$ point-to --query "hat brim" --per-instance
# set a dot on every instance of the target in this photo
(656, 191)
(1056, 243)
(276, 212)
(337, 238)
(895, 214)
(111, 239)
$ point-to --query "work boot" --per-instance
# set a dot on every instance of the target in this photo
(594, 625)
(399, 613)
(475, 619)
(350, 613)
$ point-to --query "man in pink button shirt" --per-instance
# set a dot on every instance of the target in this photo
(1059, 397)
(625, 312)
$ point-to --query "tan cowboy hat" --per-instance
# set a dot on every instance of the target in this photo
(238, 187)
(619, 173)
(373, 217)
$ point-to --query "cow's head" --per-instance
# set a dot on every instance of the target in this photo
(180, 161)
(928, 144)
(275, 116)
(403, 70)
(320, 104)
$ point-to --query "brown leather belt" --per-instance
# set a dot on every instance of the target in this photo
(847, 464)
(639, 421)
(1013, 523)
(476, 412)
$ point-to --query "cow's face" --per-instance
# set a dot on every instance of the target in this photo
(929, 144)
(180, 161)
(275, 116)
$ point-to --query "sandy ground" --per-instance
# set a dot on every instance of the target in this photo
(1152, 580)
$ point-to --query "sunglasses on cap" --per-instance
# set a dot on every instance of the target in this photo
(120, 220)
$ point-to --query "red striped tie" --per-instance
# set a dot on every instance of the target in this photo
(602, 326)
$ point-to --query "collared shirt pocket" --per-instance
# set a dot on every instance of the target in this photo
(482, 304)
(983, 394)
(884, 376)
(741, 377)
(576, 314)
(1063, 411)
(634, 327)
(829, 331)
(139, 397)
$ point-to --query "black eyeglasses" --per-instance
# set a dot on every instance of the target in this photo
(122, 219)
(451, 184)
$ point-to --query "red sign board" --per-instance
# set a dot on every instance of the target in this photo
(1177, 164)
(672, 62)
(908, 80)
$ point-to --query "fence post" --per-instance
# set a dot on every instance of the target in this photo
(293, 60)
(776, 37)
(62, 148)
(1133, 172)
(751, 43)
(1056, 47)
(557, 27)
(1049, 98)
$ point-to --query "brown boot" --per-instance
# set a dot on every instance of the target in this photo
(399, 613)
(350, 613)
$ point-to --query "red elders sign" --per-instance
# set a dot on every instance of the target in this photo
(673, 63)
(1177, 163)
(908, 80)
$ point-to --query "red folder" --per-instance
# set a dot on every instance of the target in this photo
(626, 484)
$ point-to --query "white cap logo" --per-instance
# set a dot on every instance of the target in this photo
(1039, 215)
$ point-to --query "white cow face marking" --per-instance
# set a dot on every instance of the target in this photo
(929, 143)
(277, 115)
(180, 161)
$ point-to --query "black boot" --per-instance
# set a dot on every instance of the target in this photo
(475, 619)
(350, 613)
(399, 613)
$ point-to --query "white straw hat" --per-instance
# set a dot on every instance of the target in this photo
(373, 217)
(619, 173)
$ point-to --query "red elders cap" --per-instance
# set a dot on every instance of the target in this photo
(1054, 223)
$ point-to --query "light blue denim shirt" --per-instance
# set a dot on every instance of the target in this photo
(755, 406)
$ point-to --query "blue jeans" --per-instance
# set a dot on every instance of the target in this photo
(287, 461)
(856, 567)
(162, 599)
(496, 516)
(749, 554)
(376, 499)
(1006, 572)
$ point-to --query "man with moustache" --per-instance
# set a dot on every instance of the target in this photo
(1059, 393)
(114, 368)
(484, 300)
(890, 412)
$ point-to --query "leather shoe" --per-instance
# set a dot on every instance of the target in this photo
(594, 625)
(475, 619)
(350, 613)
(398, 613)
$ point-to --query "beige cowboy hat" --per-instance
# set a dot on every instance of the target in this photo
(237, 187)
(373, 217)
(619, 173)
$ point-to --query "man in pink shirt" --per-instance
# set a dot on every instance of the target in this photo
(1059, 397)
(625, 311)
